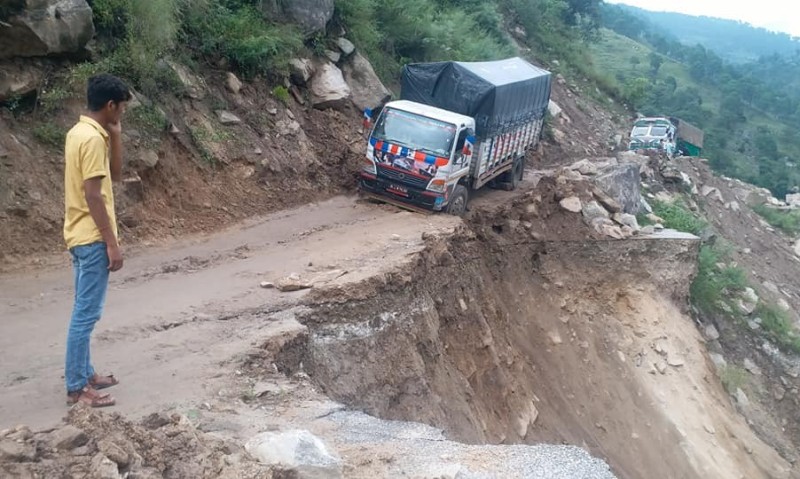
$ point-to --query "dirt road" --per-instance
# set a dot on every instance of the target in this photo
(175, 314)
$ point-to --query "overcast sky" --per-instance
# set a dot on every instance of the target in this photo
(778, 15)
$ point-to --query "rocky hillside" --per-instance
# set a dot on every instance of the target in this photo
(212, 143)
(211, 150)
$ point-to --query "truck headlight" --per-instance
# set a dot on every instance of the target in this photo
(438, 186)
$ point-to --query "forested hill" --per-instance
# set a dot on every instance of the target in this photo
(750, 111)
(737, 42)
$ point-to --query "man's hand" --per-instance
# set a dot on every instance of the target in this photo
(114, 258)
(114, 129)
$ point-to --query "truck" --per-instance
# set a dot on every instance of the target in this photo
(457, 127)
(669, 134)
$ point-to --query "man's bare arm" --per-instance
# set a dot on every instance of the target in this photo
(115, 163)
(97, 208)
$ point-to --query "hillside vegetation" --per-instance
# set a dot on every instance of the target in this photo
(749, 112)
(732, 40)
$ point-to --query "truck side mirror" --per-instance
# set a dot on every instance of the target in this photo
(367, 118)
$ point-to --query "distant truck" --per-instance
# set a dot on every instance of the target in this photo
(673, 135)
(457, 127)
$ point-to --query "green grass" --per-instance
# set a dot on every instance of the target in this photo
(711, 290)
(785, 220)
(733, 378)
(50, 134)
(281, 93)
(238, 32)
(678, 217)
(778, 326)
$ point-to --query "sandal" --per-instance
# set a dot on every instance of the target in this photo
(90, 396)
(98, 382)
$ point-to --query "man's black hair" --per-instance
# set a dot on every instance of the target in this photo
(104, 88)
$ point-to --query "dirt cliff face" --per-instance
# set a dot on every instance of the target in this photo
(498, 337)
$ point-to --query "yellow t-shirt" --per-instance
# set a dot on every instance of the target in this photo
(86, 157)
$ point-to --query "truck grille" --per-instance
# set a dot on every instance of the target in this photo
(402, 177)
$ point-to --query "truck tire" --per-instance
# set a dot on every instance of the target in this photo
(458, 201)
(514, 175)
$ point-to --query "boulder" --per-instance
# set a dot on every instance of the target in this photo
(68, 438)
(585, 167)
(628, 220)
(194, 85)
(19, 78)
(613, 231)
(748, 301)
(232, 83)
(571, 204)
(608, 202)
(783, 305)
(710, 191)
(147, 159)
(301, 70)
(592, 210)
(672, 175)
(46, 27)
(328, 88)
(292, 283)
(311, 15)
(554, 109)
(367, 89)
(104, 468)
(751, 367)
(622, 183)
(227, 118)
(345, 46)
(297, 451)
(333, 56)
(13, 451)
(711, 332)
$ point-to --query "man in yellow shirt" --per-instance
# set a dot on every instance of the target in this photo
(93, 159)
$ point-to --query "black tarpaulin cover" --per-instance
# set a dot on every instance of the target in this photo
(500, 95)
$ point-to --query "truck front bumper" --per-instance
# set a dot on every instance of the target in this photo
(401, 194)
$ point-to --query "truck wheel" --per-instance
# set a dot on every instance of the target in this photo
(458, 202)
(514, 175)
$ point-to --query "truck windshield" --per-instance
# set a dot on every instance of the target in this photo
(640, 130)
(658, 131)
(417, 132)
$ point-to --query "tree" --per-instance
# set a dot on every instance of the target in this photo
(635, 61)
(635, 91)
(656, 61)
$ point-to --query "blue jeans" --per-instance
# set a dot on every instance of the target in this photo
(90, 264)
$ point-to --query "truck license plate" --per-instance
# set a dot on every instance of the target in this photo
(398, 190)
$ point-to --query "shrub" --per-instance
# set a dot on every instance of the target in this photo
(134, 35)
(281, 93)
(711, 288)
(785, 220)
(53, 98)
(240, 34)
(394, 32)
(733, 378)
(778, 326)
(50, 134)
(677, 216)
(148, 118)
